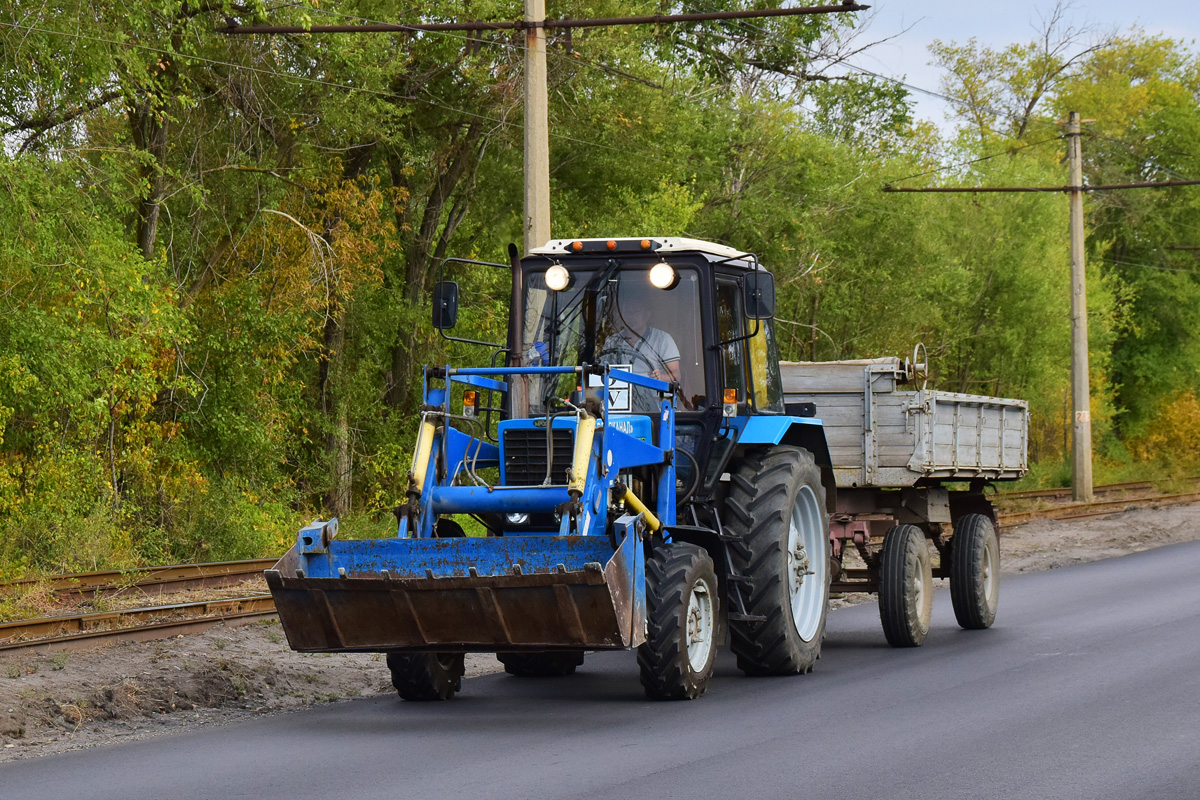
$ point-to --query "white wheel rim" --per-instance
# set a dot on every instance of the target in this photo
(919, 591)
(699, 625)
(988, 576)
(807, 566)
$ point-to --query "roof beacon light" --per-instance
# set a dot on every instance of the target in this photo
(664, 276)
(557, 277)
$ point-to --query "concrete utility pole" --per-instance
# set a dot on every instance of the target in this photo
(537, 129)
(1080, 387)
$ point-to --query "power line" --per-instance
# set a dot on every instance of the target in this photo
(605, 22)
(303, 79)
(1147, 266)
(1084, 188)
(1007, 151)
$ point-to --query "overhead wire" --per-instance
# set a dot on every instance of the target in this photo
(302, 79)
(1148, 266)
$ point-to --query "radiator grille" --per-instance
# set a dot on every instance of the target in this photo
(525, 456)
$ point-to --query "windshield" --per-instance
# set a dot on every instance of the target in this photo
(618, 319)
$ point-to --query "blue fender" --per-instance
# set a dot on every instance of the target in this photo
(803, 432)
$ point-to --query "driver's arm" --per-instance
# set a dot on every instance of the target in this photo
(672, 370)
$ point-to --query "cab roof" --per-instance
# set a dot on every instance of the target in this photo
(656, 244)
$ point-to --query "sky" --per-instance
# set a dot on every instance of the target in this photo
(996, 23)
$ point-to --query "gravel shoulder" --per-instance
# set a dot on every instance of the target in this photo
(53, 703)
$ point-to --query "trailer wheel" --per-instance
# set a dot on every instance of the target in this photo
(777, 505)
(426, 676)
(975, 571)
(682, 604)
(905, 586)
(541, 665)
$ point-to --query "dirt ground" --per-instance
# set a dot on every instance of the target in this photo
(51, 703)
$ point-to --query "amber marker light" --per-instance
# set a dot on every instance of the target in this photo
(645, 244)
(612, 244)
(470, 403)
(731, 396)
(576, 246)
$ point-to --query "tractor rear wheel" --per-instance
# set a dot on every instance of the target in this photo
(905, 586)
(541, 665)
(975, 571)
(682, 604)
(426, 676)
(777, 505)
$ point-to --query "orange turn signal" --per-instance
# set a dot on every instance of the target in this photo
(731, 396)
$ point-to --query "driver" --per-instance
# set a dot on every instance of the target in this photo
(648, 350)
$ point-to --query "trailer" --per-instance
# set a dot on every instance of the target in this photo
(910, 465)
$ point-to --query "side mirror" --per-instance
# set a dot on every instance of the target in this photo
(445, 304)
(760, 295)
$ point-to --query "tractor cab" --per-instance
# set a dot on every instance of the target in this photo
(692, 313)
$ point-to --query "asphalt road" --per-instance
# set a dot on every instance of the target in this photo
(1088, 686)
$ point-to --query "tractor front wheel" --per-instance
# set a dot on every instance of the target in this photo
(426, 676)
(682, 604)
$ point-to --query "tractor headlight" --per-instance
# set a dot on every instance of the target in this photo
(516, 519)
(557, 277)
(663, 276)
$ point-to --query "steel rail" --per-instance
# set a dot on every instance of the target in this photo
(1096, 509)
(149, 581)
(1134, 486)
(74, 631)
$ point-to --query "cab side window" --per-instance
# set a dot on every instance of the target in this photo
(730, 326)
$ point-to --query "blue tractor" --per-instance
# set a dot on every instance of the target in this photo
(630, 475)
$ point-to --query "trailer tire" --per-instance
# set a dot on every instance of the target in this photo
(426, 676)
(682, 608)
(975, 571)
(776, 505)
(541, 665)
(905, 586)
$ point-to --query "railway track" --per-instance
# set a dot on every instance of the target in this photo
(78, 630)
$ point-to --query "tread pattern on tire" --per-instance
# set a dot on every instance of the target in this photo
(758, 508)
(967, 590)
(671, 572)
(426, 676)
(541, 665)
(900, 619)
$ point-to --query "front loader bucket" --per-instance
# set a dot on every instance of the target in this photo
(463, 594)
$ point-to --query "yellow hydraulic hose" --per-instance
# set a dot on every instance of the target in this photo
(638, 507)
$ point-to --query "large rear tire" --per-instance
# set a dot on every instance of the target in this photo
(682, 604)
(777, 505)
(541, 665)
(905, 586)
(975, 571)
(426, 676)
